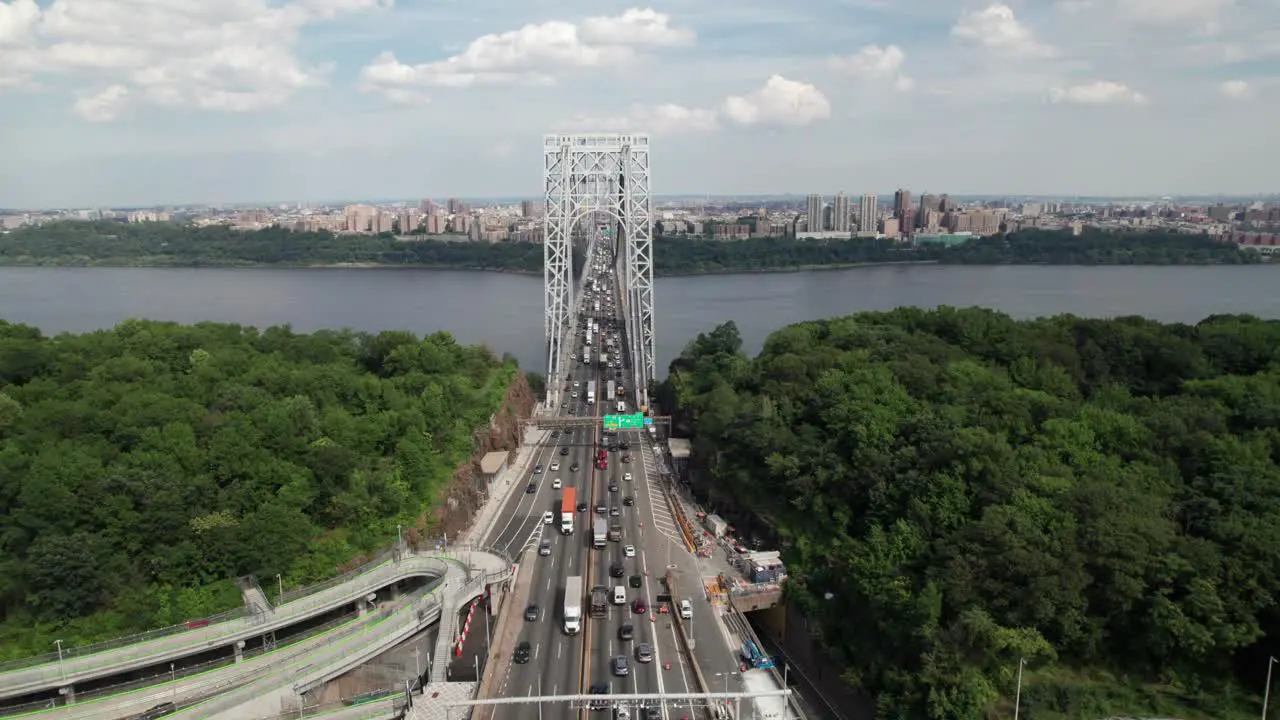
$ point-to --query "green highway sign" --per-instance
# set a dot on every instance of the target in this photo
(624, 422)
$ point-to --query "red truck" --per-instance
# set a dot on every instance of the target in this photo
(567, 507)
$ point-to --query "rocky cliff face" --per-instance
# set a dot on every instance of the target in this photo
(464, 495)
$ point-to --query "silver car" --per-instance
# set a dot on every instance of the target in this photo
(621, 667)
(644, 653)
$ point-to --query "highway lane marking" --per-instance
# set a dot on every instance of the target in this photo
(536, 649)
(537, 460)
(680, 660)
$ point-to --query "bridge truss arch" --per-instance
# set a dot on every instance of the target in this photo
(587, 179)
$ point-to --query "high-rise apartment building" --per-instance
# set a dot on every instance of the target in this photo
(902, 202)
(840, 213)
(814, 213)
(526, 208)
(867, 213)
(928, 203)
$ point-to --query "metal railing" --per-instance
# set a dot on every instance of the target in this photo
(104, 645)
(456, 553)
(375, 561)
(178, 673)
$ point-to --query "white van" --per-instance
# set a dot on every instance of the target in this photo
(622, 406)
(619, 595)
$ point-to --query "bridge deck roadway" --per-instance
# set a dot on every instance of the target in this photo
(411, 564)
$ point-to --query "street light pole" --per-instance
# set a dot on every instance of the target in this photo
(63, 671)
(400, 536)
(1017, 698)
(1266, 695)
(173, 680)
(539, 697)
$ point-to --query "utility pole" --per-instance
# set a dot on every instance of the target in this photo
(63, 671)
(1017, 698)
(280, 585)
(1266, 695)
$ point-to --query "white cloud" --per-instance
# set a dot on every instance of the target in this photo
(779, 102)
(534, 53)
(1098, 92)
(1236, 90)
(230, 55)
(636, 27)
(1172, 12)
(103, 106)
(875, 63)
(658, 119)
(996, 28)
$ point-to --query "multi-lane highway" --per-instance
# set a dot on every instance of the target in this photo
(557, 664)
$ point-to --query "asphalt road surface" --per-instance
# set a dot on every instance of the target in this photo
(556, 665)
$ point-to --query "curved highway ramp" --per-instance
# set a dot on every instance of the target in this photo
(262, 686)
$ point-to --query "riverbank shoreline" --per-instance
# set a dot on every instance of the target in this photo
(5, 263)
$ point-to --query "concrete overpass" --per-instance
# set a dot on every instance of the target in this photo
(460, 575)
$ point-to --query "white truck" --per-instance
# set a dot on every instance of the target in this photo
(604, 360)
(573, 605)
(599, 533)
(591, 392)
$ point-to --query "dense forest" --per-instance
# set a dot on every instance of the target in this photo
(171, 244)
(954, 491)
(683, 256)
(143, 468)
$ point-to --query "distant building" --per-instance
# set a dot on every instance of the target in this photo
(814, 213)
(840, 213)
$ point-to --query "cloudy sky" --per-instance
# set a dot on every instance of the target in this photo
(110, 102)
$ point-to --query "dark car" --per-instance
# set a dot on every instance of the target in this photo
(574, 467)
(602, 510)
(639, 607)
(531, 612)
(582, 507)
(613, 487)
(635, 581)
(564, 451)
(625, 445)
(556, 433)
(523, 652)
(626, 632)
(650, 713)
(599, 689)
(531, 488)
(628, 501)
(618, 374)
(537, 469)
(613, 447)
(626, 458)
(158, 711)
(615, 512)
(616, 570)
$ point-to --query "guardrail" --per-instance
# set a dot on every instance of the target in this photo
(456, 553)
(178, 673)
(420, 612)
(104, 645)
(375, 561)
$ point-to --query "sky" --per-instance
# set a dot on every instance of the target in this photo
(154, 102)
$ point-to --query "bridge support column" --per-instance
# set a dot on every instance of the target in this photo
(361, 609)
(68, 693)
(239, 646)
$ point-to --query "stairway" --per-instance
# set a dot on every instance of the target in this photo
(446, 635)
(255, 600)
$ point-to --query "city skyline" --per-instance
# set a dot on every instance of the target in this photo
(366, 98)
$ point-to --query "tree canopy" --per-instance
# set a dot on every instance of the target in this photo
(143, 468)
(182, 245)
(692, 256)
(75, 243)
(954, 491)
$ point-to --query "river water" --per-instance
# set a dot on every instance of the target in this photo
(505, 311)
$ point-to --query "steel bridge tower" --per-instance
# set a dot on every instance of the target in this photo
(593, 182)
